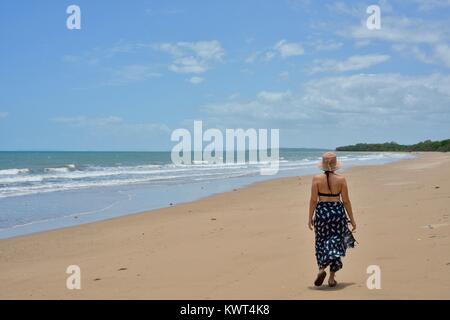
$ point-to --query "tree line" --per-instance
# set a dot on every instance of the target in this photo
(427, 145)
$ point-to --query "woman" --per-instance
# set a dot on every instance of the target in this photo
(330, 222)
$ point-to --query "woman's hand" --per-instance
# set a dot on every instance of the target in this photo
(311, 224)
(353, 225)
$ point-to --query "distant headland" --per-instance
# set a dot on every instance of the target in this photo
(427, 145)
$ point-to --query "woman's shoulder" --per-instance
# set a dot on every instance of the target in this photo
(341, 177)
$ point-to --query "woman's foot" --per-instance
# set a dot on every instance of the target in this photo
(320, 277)
(331, 281)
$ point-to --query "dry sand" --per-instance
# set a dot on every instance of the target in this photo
(252, 243)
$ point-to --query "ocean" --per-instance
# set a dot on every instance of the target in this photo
(41, 191)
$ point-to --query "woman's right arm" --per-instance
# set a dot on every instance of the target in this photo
(312, 203)
(348, 204)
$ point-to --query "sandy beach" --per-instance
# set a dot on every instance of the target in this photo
(251, 243)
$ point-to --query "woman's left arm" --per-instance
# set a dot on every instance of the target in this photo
(312, 203)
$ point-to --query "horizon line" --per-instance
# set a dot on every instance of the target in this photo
(309, 148)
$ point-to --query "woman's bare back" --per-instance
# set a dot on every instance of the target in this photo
(335, 182)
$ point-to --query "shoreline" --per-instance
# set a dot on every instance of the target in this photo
(179, 194)
(252, 243)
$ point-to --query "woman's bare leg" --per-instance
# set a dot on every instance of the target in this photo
(331, 277)
(334, 267)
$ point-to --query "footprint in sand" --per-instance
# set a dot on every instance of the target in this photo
(435, 226)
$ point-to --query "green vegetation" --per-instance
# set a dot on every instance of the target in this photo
(427, 145)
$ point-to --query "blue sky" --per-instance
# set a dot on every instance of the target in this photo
(139, 69)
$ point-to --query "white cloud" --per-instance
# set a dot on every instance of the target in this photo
(326, 45)
(426, 5)
(356, 101)
(438, 54)
(188, 65)
(269, 55)
(3, 115)
(252, 57)
(132, 73)
(340, 7)
(282, 48)
(415, 51)
(420, 54)
(442, 53)
(208, 50)
(357, 9)
(400, 30)
(192, 57)
(357, 62)
(273, 96)
(426, 40)
(196, 80)
(288, 49)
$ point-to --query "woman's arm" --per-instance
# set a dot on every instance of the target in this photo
(312, 203)
(348, 204)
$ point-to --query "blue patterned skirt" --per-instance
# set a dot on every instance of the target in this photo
(333, 236)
